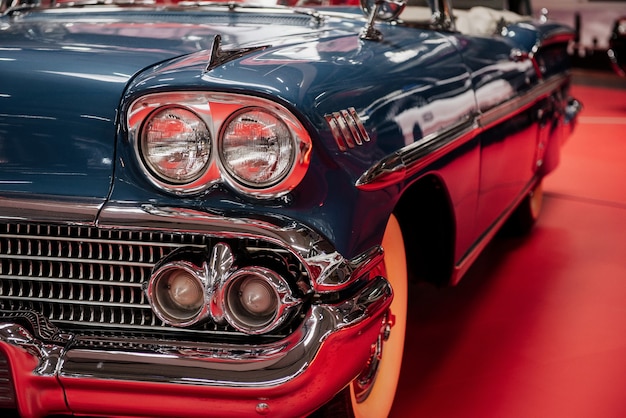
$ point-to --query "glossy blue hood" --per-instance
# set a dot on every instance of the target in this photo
(63, 134)
(64, 73)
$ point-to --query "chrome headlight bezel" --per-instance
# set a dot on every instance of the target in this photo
(216, 110)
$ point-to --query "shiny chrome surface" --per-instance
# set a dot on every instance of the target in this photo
(442, 15)
(73, 211)
(401, 164)
(220, 56)
(84, 275)
(282, 304)
(216, 272)
(164, 307)
(60, 271)
(376, 10)
(442, 111)
(347, 128)
(94, 276)
(520, 103)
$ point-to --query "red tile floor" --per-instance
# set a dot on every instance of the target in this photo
(537, 328)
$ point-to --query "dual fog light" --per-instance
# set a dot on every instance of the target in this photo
(252, 299)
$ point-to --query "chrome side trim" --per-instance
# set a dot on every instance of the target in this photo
(520, 103)
(410, 159)
(406, 161)
(81, 211)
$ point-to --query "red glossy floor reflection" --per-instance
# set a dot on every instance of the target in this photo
(537, 328)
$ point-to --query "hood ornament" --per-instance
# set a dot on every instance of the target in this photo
(220, 56)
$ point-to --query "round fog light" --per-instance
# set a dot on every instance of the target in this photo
(254, 300)
(184, 291)
(257, 297)
(177, 294)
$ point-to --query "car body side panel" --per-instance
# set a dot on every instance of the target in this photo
(509, 147)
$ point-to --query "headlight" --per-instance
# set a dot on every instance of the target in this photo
(256, 148)
(187, 142)
(175, 145)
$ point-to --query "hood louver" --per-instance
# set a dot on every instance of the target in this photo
(347, 129)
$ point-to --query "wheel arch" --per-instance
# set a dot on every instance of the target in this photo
(424, 212)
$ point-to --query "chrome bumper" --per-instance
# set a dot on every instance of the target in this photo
(132, 377)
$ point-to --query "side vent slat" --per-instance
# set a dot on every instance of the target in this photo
(347, 129)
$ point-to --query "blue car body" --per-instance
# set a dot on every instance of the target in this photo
(449, 131)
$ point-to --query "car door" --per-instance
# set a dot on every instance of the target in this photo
(507, 116)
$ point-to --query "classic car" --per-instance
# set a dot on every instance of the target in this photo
(617, 47)
(215, 209)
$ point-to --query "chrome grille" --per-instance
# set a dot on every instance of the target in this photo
(87, 277)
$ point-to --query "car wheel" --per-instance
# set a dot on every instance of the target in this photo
(525, 216)
(371, 394)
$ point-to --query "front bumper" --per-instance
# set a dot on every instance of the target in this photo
(52, 372)
(131, 377)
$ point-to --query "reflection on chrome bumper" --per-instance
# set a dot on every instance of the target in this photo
(134, 377)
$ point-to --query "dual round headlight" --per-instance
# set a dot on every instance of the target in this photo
(257, 147)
